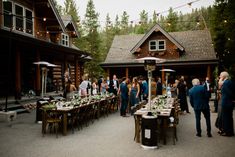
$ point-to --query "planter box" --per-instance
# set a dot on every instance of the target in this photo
(7, 116)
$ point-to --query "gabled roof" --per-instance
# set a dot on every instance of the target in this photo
(156, 27)
(58, 17)
(68, 20)
(197, 46)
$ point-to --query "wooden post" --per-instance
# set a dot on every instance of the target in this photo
(163, 80)
(127, 73)
(108, 72)
(208, 74)
(38, 74)
(163, 75)
(76, 71)
(18, 76)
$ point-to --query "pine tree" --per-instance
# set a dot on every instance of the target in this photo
(93, 40)
(124, 23)
(224, 32)
(172, 18)
(117, 25)
(143, 24)
(71, 9)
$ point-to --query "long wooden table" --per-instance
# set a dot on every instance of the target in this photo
(64, 111)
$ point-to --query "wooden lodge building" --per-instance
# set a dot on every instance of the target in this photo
(32, 31)
(189, 53)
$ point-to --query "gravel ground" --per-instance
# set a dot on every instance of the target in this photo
(109, 136)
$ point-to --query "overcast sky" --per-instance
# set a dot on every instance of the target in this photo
(134, 7)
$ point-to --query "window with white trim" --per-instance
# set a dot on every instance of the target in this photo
(17, 17)
(28, 21)
(19, 21)
(7, 16)
(64, 39)
(157, 45)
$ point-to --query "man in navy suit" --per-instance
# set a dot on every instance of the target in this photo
(123, 90)
(199, 102)
(227, 92)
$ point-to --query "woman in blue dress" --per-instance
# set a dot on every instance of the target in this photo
(134, 93)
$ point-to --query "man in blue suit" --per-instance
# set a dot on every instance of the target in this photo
(123, 90)
(227, 92)
(199, 102)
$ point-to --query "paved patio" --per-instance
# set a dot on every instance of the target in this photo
(109, 136)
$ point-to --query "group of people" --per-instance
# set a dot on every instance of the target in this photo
(199, 96)
(132, 92)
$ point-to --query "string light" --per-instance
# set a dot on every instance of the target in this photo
(225, 21)
(132, 21)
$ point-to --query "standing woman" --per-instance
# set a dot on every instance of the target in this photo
(103, 86)
(134, 93)
(181, 90)
(70, 88)
(218, 122)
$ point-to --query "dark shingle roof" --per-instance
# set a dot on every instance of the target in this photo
(197, 44)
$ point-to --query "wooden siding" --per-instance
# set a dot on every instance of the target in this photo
(171, 51)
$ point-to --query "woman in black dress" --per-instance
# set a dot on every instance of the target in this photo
(182, 90)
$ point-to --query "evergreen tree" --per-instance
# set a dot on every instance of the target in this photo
(124, 23)
(59, 8)
(172, 18)
(71, 9)
(117, 26)
(92, 39)
(143, 25)
(224, 32)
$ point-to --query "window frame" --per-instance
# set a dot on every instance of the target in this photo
(64, 40)
(151, 41)
(14, 18)
(157, 45)
(164, 44)
(10, 14)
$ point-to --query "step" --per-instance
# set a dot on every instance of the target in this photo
(21, 110)
(14, 106)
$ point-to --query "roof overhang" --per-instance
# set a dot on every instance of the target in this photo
(30, 40)
(166, 63)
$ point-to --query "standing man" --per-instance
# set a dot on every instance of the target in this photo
(198, 99)
(227, 92)
(114, 85)
(123, 90)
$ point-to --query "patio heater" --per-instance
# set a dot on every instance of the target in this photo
(45, 70)
(149, 66)
(149, 121)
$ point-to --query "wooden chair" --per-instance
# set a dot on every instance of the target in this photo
(51, 118)
(173, 122)
(73, 119)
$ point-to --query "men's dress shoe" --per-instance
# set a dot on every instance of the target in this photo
(198, 135)
(227, 134)
(209, 135)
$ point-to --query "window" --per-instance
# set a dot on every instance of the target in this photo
(64, 39)
(152, 45)
(17, 17)
(161, 45)
(29, 21)
(19, 21)
(8, 20)
(157, 45)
